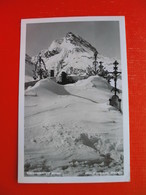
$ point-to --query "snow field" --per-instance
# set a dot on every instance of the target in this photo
(71, 129)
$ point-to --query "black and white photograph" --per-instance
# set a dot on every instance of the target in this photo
(73, 101)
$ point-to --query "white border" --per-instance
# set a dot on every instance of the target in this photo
(89, 179)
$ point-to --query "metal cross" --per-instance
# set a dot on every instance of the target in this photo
(95, 55)
(95, 63)
(115, 75)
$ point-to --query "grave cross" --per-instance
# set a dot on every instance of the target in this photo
(95, 55)
(115, 100)
(95, 63)
(115, 73)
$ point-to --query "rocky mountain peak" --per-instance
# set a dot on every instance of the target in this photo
(79, 41)
(70, 36)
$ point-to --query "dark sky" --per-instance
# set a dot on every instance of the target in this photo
(103, 35)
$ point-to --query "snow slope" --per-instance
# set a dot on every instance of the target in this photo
(72, 130)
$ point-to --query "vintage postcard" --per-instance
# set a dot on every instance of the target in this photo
(73, 101)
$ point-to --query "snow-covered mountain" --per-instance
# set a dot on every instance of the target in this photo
(72, 54)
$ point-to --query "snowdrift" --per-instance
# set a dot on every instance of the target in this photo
(93, 81)
(46, 87)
